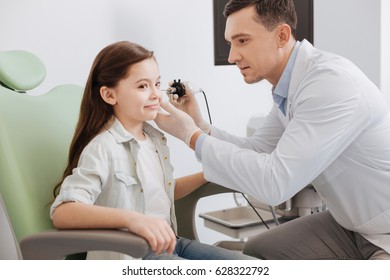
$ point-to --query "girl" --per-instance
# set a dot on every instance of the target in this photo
(118, 173)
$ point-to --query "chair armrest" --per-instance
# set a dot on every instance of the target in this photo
(57, 244)
(186, 206)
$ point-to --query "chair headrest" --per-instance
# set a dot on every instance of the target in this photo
(21, 70)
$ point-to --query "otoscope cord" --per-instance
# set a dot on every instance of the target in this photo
(249, 203)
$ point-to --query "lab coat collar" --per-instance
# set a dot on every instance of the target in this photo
(304, 53)
(282, 86)
(281, 90)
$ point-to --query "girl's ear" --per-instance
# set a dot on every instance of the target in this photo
(108, 95)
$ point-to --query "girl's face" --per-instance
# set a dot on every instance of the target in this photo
(137, 97)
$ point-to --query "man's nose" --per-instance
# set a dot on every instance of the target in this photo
(233, 56)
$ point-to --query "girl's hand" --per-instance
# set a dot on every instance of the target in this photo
(156, 231)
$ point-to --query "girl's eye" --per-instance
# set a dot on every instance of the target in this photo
(143, 86)
(158, 85)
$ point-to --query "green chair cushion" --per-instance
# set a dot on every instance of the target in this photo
(35, 134)
(21, 70)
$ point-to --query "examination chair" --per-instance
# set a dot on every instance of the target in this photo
(35, 134)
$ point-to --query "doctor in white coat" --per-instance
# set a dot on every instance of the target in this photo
(329, 126)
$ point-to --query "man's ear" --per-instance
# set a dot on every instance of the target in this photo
(284, 34)
(108, 95)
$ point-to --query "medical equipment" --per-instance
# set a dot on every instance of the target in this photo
(178, 88)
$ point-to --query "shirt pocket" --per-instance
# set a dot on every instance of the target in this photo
(125, 192)
(126, 179)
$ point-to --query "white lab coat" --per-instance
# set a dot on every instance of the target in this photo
(336, 135)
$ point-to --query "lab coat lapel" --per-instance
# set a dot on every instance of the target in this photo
(300, 67)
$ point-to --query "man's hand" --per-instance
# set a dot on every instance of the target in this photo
(176, 122)
(189, 104)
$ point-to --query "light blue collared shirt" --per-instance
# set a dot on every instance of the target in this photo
(280, 91)
(198, 146)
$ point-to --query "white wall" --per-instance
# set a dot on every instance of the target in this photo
(64, 34)
(385, 47)
(350, 28)
(358, 30)
(67, 34)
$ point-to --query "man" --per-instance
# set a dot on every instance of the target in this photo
(329, 126)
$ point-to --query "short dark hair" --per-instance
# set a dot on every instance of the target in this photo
(270, 13)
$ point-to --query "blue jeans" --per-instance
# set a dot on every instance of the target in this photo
(193, 250)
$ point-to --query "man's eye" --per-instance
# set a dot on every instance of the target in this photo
(242, 41)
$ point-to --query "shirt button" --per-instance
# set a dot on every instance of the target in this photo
(169, 183)
(142, 190)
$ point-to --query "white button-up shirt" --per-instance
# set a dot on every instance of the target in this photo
(106, 174)
(335, 134)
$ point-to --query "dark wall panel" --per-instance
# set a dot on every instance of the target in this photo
(221, 49)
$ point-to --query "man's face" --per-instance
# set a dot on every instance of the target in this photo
(253, 48)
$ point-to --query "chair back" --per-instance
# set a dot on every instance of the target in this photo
(35, 134)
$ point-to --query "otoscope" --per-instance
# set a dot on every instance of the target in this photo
(176, 87)
(179, 88)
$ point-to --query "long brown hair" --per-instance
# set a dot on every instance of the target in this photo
(109, 67)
